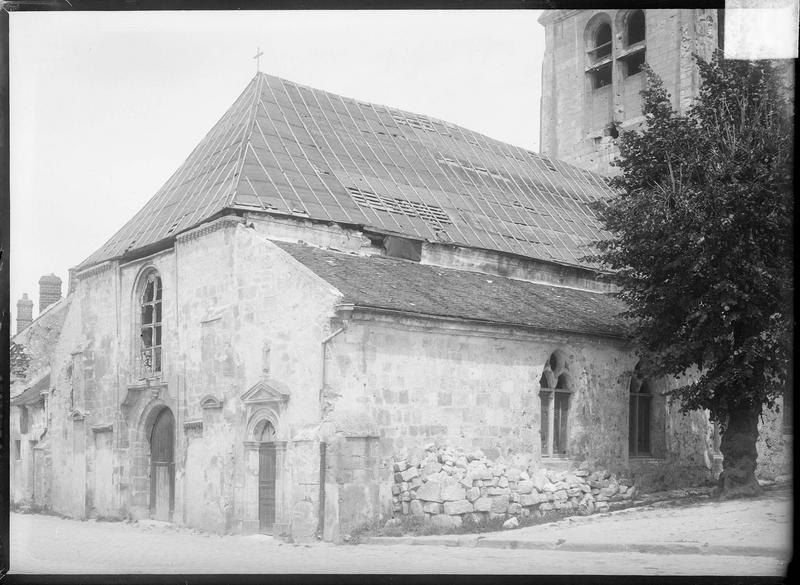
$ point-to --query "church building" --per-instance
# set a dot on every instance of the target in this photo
(326, 282)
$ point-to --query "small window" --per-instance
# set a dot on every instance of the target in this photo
(18, 450)
(636, 28)
(23, 420)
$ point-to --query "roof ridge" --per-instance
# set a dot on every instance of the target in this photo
(242, 154)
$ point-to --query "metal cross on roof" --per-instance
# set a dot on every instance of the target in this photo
(257, 57)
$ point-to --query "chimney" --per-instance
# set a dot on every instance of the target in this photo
(24, 312)
(73, 280)
(49, 291)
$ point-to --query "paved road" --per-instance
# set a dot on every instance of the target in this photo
(46, 544)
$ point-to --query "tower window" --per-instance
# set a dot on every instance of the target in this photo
(632, 64)
(635, 30)
(602, 42)
(601, 76)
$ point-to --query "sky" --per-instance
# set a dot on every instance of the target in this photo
(106, 105)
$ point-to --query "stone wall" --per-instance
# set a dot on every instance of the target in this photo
(445, 485)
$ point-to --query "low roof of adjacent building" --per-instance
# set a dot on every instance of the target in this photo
(287, 149)
(392, 284)
(32, 393)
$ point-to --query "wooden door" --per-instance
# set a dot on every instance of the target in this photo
(162, 466)
(266, 486)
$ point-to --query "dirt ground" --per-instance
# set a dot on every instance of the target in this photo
(47, 544)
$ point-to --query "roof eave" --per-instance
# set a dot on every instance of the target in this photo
(352, 308)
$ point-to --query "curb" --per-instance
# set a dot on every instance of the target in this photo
(473, 541)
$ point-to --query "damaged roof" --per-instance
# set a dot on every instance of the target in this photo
(389, 283)
(32, 394)
(287, 149)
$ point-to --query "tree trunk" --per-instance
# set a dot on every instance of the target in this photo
(738, 448)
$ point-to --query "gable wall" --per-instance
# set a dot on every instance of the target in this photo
(236, 310)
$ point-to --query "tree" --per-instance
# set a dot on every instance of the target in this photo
(701, 247)
(19, 360)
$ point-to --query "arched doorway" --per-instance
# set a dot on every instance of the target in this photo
(267, 468)
(162, 466)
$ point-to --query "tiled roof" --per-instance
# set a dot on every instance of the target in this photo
(389, 283)
(285, 148)
(33, 391)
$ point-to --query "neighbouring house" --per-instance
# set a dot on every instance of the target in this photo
(323, 283)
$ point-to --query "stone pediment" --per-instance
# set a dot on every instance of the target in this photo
(265, 392)
(210, 401)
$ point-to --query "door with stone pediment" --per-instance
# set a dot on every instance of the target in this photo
(267, 472)
(162, 466)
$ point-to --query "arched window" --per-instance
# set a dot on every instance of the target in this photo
(634, 31)
(598, 38)
(602, 41)
(149, 356)
(554, 395)
(639, 416)
(634, 55)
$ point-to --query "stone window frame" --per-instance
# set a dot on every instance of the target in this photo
(555, 380)
(141, 369)
(637, 397)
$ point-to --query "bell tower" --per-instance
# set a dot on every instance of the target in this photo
(591, 74)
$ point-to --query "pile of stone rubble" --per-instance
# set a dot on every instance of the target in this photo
(446, 486)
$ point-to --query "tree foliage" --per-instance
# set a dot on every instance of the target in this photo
(19, 360)
(702, 237)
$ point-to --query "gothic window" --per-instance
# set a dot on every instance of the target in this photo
(149, 356)
(639, 416)
(554, 395)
